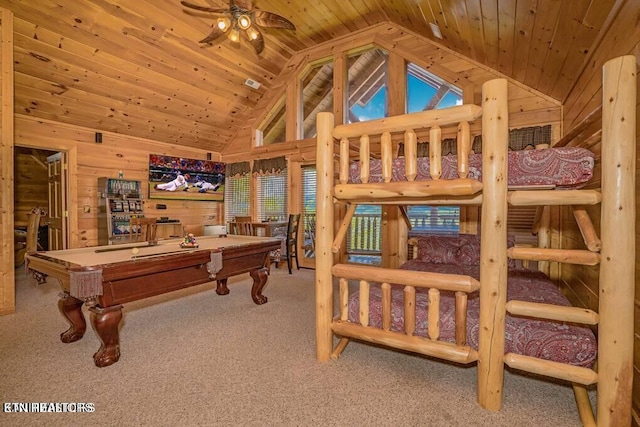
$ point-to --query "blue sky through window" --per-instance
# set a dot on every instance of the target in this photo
(419, 94)
(374, 109)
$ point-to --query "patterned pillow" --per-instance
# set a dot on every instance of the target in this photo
(461, 249)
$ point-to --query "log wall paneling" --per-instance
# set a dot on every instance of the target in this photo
(7, 288)
(115, 153)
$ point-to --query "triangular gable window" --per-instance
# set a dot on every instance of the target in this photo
(426, 91)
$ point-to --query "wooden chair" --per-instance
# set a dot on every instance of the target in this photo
(309, 244)
(244, 226)
(33, 227)
(143, 230)
(291, 242)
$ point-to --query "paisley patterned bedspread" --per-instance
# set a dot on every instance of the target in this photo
(549, 340)
(563, 167)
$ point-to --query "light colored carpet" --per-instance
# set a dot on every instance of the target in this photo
(196, 358)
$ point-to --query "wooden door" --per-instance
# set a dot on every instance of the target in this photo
(58, 213)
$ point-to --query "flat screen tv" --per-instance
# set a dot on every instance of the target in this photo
(185, 179)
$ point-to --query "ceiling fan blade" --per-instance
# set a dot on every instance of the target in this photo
(244, 4)
(271, 20)
(214, 34)
(258, 42)
(203, 8)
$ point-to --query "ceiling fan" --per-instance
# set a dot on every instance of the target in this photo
(236, 19)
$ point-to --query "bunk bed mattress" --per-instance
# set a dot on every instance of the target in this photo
(563, 167)
(544, 339)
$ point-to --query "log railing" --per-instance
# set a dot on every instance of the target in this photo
(434, 121)
(433, 283)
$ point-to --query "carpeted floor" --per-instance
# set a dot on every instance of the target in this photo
(194, 358)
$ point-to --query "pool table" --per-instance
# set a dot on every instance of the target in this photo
(105, 277)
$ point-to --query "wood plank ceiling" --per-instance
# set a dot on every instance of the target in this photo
(136, 67)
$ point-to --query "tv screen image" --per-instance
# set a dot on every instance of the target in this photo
(186, 179)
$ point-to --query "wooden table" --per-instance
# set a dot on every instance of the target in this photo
(105, 277)
(264, 229)
(169, 230)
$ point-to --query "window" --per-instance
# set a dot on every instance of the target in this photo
(426, 91)
(434, 219)
(364, 235)
(367, 86)
(317, 96)
(272, 196)
(520, 221)
(236, 196)
(309, 210)
(273, 129)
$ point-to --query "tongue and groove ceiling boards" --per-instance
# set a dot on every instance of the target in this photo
(137, 67)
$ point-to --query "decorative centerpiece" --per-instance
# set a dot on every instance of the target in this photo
(189, 241)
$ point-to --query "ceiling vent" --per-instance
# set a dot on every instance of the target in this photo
(252, 84)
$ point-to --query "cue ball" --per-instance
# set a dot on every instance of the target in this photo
(135, 251)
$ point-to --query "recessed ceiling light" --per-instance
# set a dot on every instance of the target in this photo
(435, 30)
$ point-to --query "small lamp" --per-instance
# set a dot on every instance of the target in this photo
(244, 21)
(252, 33)
(224, 23)
(234, 35)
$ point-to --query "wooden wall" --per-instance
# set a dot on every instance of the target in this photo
(115, 153)
(582, 283)
(7, 275)
(527, 107)
(130, 154)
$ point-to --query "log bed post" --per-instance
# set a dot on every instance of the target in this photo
(617, 274)
(324, 237)
(493, 249)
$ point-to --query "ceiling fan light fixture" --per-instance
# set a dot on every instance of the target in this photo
(224, 23)
(252, 34)
(244, 21)
(234, 35)
(241, 17)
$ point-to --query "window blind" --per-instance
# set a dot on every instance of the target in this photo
(236, 196)
(434, 219)
(272, 196)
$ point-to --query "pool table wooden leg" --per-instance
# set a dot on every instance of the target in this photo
(105, 322)
(221, 287)
(259, 280)
(71, 309)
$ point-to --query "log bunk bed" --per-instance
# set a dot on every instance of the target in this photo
(390, 307)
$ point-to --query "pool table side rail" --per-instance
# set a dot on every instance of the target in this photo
(131, 280)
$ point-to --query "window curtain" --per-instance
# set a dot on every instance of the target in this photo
(273, 166)
(238, 169)
(519, 139)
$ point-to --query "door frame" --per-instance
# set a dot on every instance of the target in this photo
(72, 203)
(58, 215)
(71, 151)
